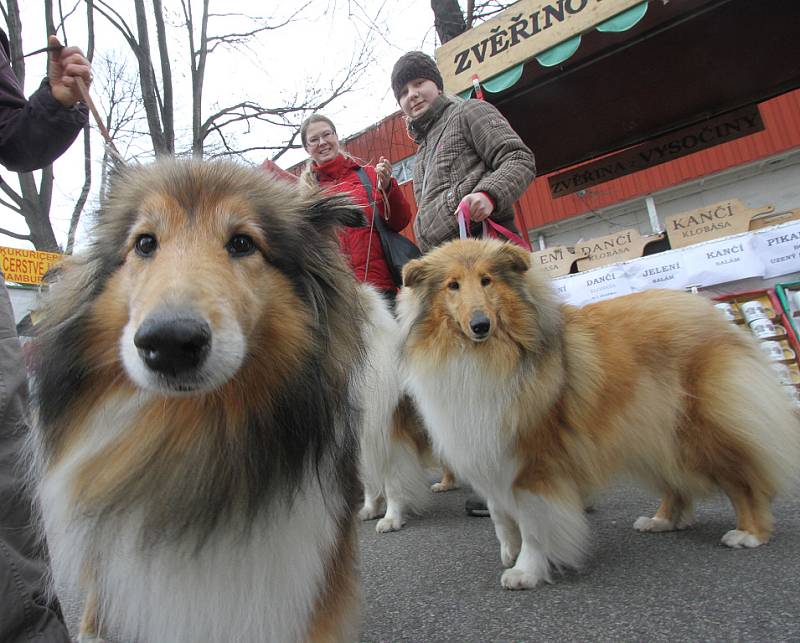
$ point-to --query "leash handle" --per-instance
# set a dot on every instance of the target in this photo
(490, 228)
(86, 98)
(463, 220)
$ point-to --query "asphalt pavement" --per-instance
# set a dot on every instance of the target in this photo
(438, 579)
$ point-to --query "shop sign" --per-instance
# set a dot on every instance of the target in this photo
(724, 260)
(517, 34)
(662, 270)
(774, 218)
(716, 131)
(555, 261)
(765, 253)
(26, 266)
(595, 285)
(612, 248)
(779, 249)
(711, 222)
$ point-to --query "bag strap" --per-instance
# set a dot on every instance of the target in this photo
(364, 178)
(377, 219)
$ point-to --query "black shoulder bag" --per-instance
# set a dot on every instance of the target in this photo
(397, 249)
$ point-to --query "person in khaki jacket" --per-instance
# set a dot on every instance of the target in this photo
(467, 152)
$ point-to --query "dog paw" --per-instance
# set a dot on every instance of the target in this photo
(440, 487)
(89, 638)
(519, 579)
(508, 554)
(368, 513)
(388, 524)
(736, 538)
(653, 524)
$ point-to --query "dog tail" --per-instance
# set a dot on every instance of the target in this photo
(758, 413)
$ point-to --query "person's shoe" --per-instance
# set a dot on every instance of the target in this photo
(476, 506)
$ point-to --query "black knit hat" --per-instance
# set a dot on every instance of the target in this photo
(412, 65)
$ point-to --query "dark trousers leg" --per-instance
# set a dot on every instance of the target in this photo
(26, 613)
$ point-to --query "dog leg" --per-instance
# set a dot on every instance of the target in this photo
(753, 517)
(448, 482)
(554, 531)
(372, 499)
(507, 531)
(89, 629)
(674, 513)
(393, 520)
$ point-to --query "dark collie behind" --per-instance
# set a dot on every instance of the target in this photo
(196, 436)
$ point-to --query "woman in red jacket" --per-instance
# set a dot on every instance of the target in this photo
(335, 170)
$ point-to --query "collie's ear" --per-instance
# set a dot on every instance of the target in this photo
(413, 272)
(514, 258)
(328, 211)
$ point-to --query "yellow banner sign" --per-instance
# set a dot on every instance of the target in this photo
(26, 266)
(517, 34)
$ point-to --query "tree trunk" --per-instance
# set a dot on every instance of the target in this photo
(167, 110)
(87, 144)
(198, 76)
(148, 83)
(448, 19)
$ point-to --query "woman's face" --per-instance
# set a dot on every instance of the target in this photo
(416, 97)
(322, 144)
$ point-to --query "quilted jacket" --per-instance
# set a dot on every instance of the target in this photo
(465, 147)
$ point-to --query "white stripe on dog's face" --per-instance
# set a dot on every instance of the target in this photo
(196, 288)
(221, 359)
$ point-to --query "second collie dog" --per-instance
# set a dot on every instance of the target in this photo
(537, 403)
(197, 412)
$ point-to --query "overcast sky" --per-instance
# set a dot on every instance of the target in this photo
(271, 70)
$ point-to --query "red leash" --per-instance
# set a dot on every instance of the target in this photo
(491, 229)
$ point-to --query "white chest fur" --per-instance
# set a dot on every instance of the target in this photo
(254, 585)
(471, 419)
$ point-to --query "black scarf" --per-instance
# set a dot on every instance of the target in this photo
(419, 127)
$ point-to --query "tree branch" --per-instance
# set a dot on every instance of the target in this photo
(15, 235)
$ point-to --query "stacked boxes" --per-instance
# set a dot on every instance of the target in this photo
(762, 314)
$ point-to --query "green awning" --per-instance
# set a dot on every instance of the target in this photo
(562, 51)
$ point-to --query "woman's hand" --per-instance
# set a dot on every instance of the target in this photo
(384, 171)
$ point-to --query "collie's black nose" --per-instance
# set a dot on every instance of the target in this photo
(172, 344)
(480, 324)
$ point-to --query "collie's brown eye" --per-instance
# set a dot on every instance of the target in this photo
(485, 281)
(453, 285)
(240, 245)
(145, 245)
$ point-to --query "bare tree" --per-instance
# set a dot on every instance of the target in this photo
(214, 130)
(124, 114)
(32, 202)
(87, 139)
(450, 21)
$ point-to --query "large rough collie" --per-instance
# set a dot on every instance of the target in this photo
(197, 432)
(537, 403)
